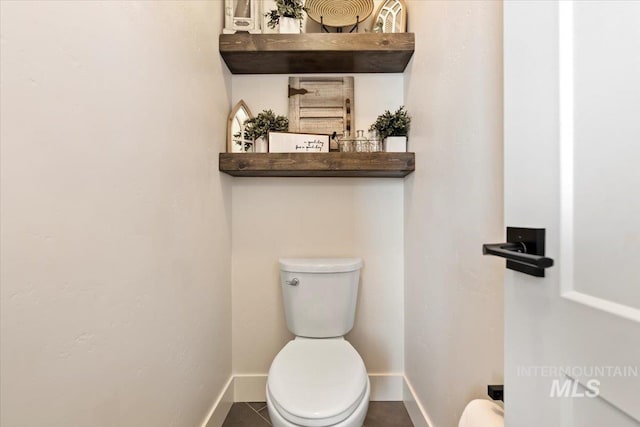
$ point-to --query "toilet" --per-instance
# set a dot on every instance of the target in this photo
(318, 379)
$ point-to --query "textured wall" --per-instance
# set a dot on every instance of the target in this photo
(453, 203)
(116, 298)
(316, 217)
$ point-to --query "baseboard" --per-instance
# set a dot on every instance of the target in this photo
(416, 411)
(249, 388)
(384, 387)
(221, 406)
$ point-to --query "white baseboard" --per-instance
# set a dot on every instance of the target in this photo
(384, 387)
(416, 411)
(249, 388)
(220, 407)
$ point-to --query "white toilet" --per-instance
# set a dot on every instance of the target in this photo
(318, 379)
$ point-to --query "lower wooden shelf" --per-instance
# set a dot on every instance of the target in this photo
(367, 165)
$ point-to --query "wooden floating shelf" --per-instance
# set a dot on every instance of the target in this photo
(368, 165)
(317, 52)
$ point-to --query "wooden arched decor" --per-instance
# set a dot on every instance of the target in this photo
(391, 17)
(235, 124)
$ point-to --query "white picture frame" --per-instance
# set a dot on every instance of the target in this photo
(292, 142)
(242, 15)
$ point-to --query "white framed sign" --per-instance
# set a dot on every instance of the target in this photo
(291, 142)
(242, 15)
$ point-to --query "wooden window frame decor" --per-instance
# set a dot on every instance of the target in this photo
(296, 142)
(322, 105)
(230, 122)
(234, 22)
(387, 9)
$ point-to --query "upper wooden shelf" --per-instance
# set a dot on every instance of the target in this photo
(317, 52)
(368, 165)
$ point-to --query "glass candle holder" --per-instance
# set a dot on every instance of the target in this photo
(346, 143)
(375, 143)
(362, 143)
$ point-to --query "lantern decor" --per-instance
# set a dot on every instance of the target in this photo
(242, 15)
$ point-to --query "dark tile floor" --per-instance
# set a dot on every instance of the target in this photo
(381, 414)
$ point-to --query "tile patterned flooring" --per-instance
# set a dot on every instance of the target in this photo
(380, 414)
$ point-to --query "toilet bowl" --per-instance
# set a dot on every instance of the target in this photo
(318, 383)
(318, 379)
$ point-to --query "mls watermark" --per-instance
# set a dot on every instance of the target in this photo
(565, 384)
(571, 388)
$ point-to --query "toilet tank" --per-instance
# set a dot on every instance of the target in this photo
(320, 295)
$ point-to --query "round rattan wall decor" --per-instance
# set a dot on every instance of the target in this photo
(339, 13)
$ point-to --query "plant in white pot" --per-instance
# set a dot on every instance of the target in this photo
(257, 128)
(288, 15)
(393, 128)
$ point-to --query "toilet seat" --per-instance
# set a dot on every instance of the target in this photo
(317, 382)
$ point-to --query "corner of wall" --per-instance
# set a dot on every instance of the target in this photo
(221, 406)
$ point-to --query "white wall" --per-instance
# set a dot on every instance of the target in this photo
(314, 217)
(453, 203)
(116, 226)
(116, 298)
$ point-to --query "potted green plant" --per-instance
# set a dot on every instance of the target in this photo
(257, 128)
(393, 128)
(288, 15)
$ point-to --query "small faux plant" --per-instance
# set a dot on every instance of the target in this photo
(260, 125)
(285, 9)
(393, 124)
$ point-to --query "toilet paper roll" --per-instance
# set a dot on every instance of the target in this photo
(482, 413)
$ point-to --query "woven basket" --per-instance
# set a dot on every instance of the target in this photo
(339, 13)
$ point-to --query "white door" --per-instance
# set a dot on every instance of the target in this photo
(572, 166)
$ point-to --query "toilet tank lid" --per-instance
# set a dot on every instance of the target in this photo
(320, 265)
